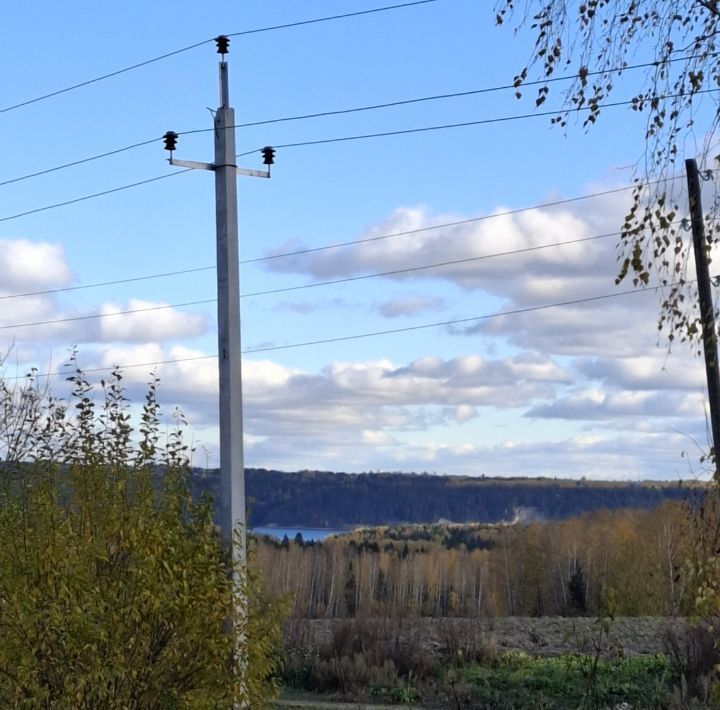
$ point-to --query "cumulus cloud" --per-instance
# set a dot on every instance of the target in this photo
(186, 375)
(358, 396)
(511, 254)
(637, 457)
(153, 320)
(587, 372)
(35, 267)
(655, 371)
(587, 354)
(31, 266)
(382, 415)
(43, 319)
(553, 269)
(590, 404)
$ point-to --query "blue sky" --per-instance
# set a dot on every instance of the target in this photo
(581, 390)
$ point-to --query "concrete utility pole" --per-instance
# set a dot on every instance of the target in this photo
(707, 309)
(232, 472)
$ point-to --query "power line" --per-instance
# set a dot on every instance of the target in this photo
(96, 79)
(107, 369)
(504, 213)
(173, 53)
(264, 122)
(319, 142)
(80, 161)
(98, 284)
(463, 124)
(438, 97)
(456, 321)
(337, 245)
(300, 287)
(331, 17)
(92, 196)
(322, 114)
(283, 289)
(450, 95)
(108, 315)
(377, 333)
(411, 269)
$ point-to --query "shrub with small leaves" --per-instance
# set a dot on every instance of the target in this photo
(115, 591)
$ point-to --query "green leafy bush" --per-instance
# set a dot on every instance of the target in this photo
(518, 681)
(114, 589)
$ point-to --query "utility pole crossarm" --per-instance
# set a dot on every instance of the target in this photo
(197, 165)
(253, 173)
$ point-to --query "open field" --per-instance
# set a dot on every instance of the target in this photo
(498, 664)
(544, 636)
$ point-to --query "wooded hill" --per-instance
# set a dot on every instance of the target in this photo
(337, 500)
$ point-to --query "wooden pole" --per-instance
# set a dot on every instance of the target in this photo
(707, 309)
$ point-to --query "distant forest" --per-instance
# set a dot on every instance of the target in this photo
(627, 562)
(338, 500)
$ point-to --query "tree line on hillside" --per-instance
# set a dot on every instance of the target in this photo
(625, 562)
(336, 500)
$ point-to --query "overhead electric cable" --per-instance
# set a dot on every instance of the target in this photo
(322, 114)
(92, 196)
(93, 316)
(462, 124)
(113, 282)
(81, 161)
(332, 282)
(73, 372)
(412, 269)
(343, 16)
(437, 97)
(456, 321)
(96, 79)
(390, 331)
(338, 245)
(308, 143)
(284, 289)
(271, 28)
(504, 213)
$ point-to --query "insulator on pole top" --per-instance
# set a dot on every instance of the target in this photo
(222, 42)
(170, 139)
(268, 155)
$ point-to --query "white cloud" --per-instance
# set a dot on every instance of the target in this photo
(532, 272)
(589, 404)
(377, 438)
(577, 389)
(162, 323)
(42, 319)
(656, 371)
(32, 266)
(640, 457)
(564, 255)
